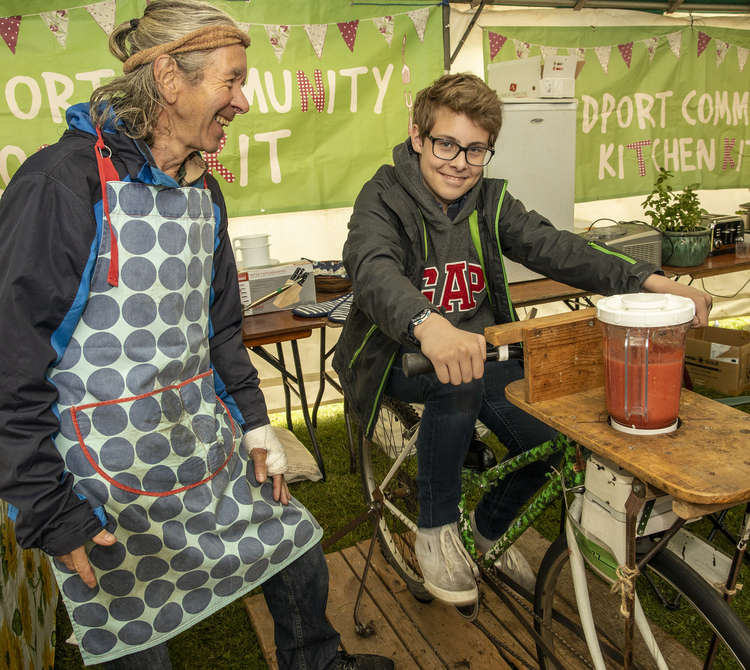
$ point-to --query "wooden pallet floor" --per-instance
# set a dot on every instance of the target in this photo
(427, 636)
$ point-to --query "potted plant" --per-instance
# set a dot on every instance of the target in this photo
(679, 217)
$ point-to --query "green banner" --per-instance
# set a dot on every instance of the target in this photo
(329, 86)
(648, 97)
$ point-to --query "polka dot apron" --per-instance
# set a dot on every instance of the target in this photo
(148, 441)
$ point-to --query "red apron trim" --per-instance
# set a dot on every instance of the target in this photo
(107, 172)
(160, 494)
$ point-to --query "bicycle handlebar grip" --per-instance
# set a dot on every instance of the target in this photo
(416, 363)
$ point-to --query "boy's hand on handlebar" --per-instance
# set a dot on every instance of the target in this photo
(457, 356)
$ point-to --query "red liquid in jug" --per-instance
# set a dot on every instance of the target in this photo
(663, 392)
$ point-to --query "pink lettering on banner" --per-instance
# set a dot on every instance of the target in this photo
(727, 162)
(429, 282)
(638, 147)
(306, 89)
(213, 164)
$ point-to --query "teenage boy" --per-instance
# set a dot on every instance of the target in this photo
(424, 252)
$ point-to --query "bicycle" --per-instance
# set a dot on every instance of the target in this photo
(388, 468)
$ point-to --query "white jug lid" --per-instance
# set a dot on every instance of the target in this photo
(645, 310)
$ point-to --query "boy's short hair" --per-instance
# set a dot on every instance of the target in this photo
(462, 93)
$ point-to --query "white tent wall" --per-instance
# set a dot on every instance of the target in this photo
(320, 234)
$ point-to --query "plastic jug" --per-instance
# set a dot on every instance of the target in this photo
(644, 353)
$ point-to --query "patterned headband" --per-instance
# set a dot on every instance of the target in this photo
(210, 37)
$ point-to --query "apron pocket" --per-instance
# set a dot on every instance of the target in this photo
(170, 440)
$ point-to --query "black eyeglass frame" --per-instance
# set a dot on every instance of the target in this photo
(459, 150)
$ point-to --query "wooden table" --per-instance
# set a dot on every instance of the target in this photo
(714, 265)
(539, 291)
(704, 464)
(274, 328)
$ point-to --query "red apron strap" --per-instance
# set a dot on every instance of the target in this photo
(107, 172)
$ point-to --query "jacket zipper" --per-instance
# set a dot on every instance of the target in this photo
(604, 250)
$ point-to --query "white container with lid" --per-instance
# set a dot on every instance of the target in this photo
(644, 351)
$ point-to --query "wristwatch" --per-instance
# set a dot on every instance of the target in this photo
(420, 317)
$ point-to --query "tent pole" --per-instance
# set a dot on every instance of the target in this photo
(446, 36)
(468, 30)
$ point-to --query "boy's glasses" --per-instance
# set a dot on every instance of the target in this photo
(447, 150)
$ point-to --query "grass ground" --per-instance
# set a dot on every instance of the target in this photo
(226, 641)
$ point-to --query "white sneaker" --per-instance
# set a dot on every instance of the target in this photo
(511, 563)
(445, 565)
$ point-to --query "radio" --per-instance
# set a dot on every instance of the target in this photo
(636, 240)
(724, 232)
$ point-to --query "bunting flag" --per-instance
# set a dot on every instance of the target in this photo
(651, 44)
(104, 15)
(703, 41)
(348, 30)
(721, 51)
(9, 31)
(742, 53)
(602, 53)
(278, 36)
(626, 51)
(675, 43)
(496, 43)
(316, 33)
(384, 24)
(57, 22)
(579, 53)
(548, 52)
(522, 48)
(419, 19)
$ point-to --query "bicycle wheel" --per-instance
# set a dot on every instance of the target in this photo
(554, 607)
(396, 426)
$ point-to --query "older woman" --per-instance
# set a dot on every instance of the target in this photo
(136, 445)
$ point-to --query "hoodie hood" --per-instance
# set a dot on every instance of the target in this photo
(406, 163)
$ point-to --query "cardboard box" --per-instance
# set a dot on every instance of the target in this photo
(719, 358)
(275, 284)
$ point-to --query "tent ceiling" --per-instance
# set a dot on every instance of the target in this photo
(660, 6)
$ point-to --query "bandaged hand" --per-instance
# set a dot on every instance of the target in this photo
(264, 438)
(269, 457)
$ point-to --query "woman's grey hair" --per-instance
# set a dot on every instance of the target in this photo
(134, 98)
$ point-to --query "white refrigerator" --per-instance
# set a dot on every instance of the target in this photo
(536, 153)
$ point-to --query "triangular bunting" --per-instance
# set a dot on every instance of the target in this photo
(419, 19)
(703, 41)
(9, 31)
(278, 36)
(384, 24)
(548, 52)
(626, 51)
(496, 43)
(57, 22)
(522, 48)
(244, 27)
(675, 43)
(742, 53)
(316, 33)
(602, 53)
(348, 30)
(721, 51)
(104, 15)
(651, 44)
(579, 53)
